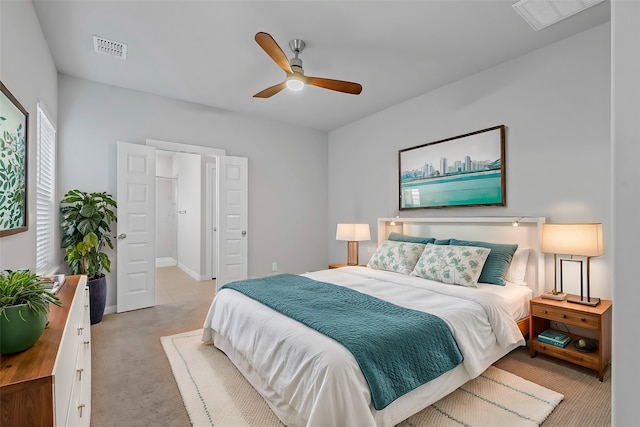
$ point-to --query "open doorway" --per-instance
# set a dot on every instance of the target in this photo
(224, 207)
(186, 206)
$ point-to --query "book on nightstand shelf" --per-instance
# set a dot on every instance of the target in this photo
(554, 338)
(559, 296)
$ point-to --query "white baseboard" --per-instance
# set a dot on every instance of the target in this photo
(110, 309)
(166, 262)
(192, 273)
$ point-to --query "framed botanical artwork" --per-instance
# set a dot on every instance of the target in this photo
(13, 164)
(465, 170)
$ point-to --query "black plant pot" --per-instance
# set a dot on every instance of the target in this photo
(97, 298)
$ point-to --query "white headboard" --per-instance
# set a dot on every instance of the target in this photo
(527, 234)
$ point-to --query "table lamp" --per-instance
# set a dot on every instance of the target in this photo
(353, 233)
(575, 240)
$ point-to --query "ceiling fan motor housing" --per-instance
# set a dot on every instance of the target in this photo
(296, 46)
(296, 65)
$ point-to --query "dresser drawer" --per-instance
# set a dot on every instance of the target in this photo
(79, 410)
(65, 365)
(585, 320)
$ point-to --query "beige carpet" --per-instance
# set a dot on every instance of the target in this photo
(215, 393)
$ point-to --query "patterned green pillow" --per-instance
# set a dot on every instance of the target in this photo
(400, 257)
(458, 265)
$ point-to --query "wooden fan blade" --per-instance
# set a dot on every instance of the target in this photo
(270, 46)
(337, 85)
(270, 91)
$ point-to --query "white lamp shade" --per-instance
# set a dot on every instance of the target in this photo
(572, 239)
(353, 232)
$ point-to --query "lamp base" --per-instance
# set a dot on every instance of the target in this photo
(592, 302)
(352, 253)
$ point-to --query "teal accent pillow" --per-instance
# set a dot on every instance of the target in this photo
(442, 241)
(397, 237)
(495, 268)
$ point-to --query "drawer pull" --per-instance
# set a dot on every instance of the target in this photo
(86, 342)
(80, 407)
(544, 311)
(582, 319)
(80, 330)
(564, 316)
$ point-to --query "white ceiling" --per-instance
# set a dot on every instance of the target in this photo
(204, 51)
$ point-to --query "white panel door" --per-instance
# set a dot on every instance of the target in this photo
(136, 226)
(232, 219)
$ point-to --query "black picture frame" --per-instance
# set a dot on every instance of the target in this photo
(465, 170)
(14, 144)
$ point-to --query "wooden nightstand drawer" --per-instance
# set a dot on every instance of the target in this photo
(585, 320)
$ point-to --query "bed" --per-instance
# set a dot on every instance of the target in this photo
(309, 379)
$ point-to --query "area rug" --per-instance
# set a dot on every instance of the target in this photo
(216, 394)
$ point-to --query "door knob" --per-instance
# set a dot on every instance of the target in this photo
(244, 232)
(122, 236)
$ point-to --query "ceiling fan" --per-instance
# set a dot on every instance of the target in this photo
(295, 79)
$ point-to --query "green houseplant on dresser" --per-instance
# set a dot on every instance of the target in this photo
(24, 307)
(86, 233)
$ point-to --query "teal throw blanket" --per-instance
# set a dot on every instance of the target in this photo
(397, 349)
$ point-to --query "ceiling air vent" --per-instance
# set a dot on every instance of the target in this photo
(109, 47)
(542, 13)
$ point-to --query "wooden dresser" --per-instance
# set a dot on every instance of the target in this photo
(49, 384)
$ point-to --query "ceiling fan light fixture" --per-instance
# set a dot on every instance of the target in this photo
(294, 83)
(295, 78)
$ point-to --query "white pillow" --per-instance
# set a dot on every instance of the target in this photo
(400, 257)
(518, 267)
(458, 265)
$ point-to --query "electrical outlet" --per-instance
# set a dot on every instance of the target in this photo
(274, 266)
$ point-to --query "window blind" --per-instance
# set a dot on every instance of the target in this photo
(45, 193)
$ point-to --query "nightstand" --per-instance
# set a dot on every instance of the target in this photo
(597, 319)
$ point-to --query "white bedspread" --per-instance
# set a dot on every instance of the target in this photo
(311, 380)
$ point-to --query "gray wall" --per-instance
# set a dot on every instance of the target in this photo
(28, 71)
(287, 165)
(555, 103)
(626, 196)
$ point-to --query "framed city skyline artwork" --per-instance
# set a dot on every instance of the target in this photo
(465, 170)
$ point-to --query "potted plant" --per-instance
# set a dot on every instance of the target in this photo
(86, 231)
(24, 307)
